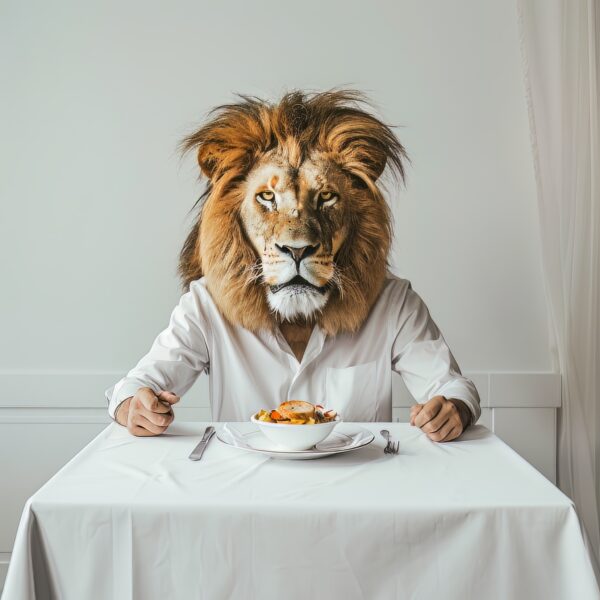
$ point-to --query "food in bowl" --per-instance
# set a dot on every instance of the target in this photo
(297, 412)
(275, 424)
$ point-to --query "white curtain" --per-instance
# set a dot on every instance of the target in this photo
(560, 48)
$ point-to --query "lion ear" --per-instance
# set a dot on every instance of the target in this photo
(366, 146)
(364, 162)
(213, 151)
(208, 151)
(208, 159)
(218, 157)
(375, 161)
(230, 140)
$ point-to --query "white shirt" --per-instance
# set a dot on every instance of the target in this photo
(351, 373)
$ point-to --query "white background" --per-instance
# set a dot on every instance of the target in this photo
(95, 201)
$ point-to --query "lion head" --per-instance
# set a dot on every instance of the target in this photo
(293, 224)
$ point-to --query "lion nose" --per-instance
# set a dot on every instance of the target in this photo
(298, 253)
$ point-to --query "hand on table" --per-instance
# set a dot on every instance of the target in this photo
(441, 419)
(147, 413)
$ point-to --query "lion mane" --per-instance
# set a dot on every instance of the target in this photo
(336, 123)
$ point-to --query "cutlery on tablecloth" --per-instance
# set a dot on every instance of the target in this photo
(198, 451)
(391, 447)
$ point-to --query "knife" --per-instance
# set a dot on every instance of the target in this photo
(201, 447)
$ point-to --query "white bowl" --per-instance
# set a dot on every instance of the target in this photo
(296, 437)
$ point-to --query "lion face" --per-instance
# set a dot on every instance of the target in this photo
(296, 221)
(294, 225)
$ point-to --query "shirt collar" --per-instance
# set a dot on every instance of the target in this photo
(313, 347)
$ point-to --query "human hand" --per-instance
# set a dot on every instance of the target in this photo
(441, 419)
(147, 413)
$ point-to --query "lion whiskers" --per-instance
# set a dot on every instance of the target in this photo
(254, 273)
(291, 304)
(342, 283)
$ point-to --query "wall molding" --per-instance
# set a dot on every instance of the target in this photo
(55, 389)
(65, 416)
(77, 415)
(84, 391)
(502, 390)
(73, 389)
(4, 560)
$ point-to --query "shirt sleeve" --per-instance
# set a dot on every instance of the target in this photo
(177, 356)
(424, 360)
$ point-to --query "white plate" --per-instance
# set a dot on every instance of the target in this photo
(245, 436)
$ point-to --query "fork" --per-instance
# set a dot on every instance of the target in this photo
(391, 447)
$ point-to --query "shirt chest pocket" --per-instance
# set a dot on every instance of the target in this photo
(351, 391)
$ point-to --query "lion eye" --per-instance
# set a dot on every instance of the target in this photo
(327, 198)
(266, 198)
(267, 195)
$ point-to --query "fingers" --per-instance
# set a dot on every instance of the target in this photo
(415, 409)
(139, 431)
(149, 400)
(443, 433)
(169, 397)
(454, 433)
(160, 419)
(464, 411)
(150, 413)
(438, 418)
(429, 411)
(140, 421)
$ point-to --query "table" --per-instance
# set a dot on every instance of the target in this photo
(133, 518)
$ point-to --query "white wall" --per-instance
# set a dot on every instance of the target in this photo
(94, 201)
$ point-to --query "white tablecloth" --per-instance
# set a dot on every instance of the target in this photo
(134, 518)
